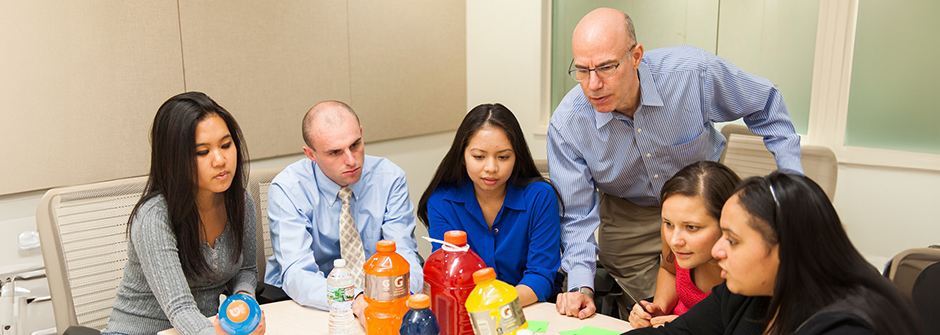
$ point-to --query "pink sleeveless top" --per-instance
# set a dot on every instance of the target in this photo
(688, 293)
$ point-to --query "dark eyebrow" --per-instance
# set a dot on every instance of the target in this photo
(498, 152)
(223, 139)
(726, 230)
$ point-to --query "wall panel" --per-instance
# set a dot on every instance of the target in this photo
(267, 63)
(80, 82)
(408, 66)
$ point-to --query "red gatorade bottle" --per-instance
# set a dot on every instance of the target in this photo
(448, 280)
(387, 281)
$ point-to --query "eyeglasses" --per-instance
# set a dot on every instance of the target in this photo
(601, 71)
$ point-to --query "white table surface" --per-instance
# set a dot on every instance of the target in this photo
(287, 317)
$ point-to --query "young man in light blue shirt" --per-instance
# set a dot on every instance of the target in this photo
(304, 207)
(635, 120)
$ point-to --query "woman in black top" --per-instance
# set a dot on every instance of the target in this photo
(790, 268)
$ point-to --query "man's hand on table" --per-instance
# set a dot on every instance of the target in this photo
(575, 304)
(358, 307)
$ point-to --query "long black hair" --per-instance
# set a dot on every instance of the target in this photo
(819, 266)
(453, 171)
(712, 181)
(173, 174)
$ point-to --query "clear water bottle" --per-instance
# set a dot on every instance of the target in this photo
(340, 291)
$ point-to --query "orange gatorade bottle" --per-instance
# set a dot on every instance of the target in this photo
(494, 306)
(387, 282)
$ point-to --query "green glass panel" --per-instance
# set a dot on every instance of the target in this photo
(894, 77)
(775, 40)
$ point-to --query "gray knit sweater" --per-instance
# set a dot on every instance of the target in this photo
(155, 295)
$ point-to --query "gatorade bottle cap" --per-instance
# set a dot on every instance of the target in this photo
(483, 275)
(456, 237)
(385, 246)
(237, 311)
(418, 301)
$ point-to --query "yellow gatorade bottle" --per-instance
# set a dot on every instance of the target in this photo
(494, 306)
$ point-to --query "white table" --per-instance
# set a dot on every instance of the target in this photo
(287, 317)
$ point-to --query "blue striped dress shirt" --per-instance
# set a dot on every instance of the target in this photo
(303, 213)
(684, 90)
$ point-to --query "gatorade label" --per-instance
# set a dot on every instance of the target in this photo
(340, 294)
(508, 318)
(387, 288)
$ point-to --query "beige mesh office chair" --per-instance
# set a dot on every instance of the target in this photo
(84, 247)
(542, 166)
(258, 183)
(746, 155)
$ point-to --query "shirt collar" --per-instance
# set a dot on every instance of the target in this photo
(649, 93)
(464, 194)
(649, 96)
(330, 190)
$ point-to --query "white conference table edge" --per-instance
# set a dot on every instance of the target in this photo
(288, 317)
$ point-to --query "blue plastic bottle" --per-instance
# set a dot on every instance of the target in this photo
(419, 320)
(239, 314)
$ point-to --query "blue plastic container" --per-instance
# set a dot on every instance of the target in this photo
(419, 320)
(239, 314)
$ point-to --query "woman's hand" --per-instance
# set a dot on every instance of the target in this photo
(259, 330)
(640, 318)
(659, 321)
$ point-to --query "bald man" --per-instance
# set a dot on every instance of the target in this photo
(633, 121)
(305, 208)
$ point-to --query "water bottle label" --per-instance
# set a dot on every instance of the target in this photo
(340, 294)
(387, 288)
(503, 320)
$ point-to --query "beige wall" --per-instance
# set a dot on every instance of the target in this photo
(81, 81)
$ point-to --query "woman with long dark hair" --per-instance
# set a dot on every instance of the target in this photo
(790, 268)
(692, 201)
(192, 235)
(488, 186)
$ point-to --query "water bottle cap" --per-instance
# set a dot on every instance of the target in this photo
(456, 237)
(339, 263)
(419, 300)
(483, 275)
(523, 331)
(385, 246)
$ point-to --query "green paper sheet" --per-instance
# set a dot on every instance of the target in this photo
(538, 326)
(588, 330)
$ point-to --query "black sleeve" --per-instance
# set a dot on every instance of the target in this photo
(705, 318)
(833, 323)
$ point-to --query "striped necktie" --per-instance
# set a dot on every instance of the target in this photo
(350, 242)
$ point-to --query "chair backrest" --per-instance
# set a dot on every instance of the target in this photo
(904, 268)
(542, 166)
(258, 183)
(82, 230)
(747, 156)
(926, 293)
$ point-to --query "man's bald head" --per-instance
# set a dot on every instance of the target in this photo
(605, 25)
(325, 113)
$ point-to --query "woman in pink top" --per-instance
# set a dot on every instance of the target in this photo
(692, 202)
